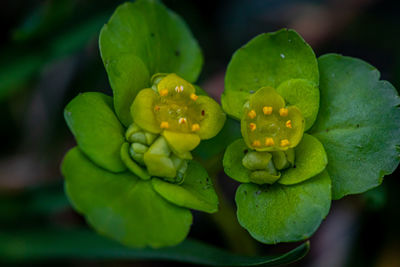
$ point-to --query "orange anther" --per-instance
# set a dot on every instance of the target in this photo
(288, 124)
(256, 143)
(252, 126)
(269, 141)
(195, 127)
(164, 125)
(283, 112)
(194, 97)
(284, 142)
(252, 114)
(163, 92)
(267, 110)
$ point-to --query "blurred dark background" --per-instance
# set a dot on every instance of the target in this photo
(49, 53)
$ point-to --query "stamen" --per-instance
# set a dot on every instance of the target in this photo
(256, 143)
(156, 108)
(194, 97)
(269, 141)
(164, 125)
(182, 120)
(283, 112)
(195, 127)
(252, 126)
(267, 110)
(288, 124)
(252, 114)
(163, 92)
(179, 89)
(284, 142)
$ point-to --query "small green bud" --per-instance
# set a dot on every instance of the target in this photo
(139, 148)
(150, 137)
(255, 160)
(133, 128)
(138, 137)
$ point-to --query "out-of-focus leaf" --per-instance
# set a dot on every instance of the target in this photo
(44, 18)
(82, 244)
(15, 73)
(34, 202)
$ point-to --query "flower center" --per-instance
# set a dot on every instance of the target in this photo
(268, 125)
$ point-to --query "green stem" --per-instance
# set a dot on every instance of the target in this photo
(237, 238)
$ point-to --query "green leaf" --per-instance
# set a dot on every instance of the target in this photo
(232, 161)
(99, 134)
(267, 60)
(28, 246)
(196, 192)
(358, 124)
(280, 213)
(122, 206)
(310, 160)
(304, 95)
(126, 73)
(158, 40)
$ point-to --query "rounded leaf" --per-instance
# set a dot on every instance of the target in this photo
(279, 213)
(267, 60)
(304, 95)
(99, 134)
(232, 161)
(122, 206)
(196, 192)
(358, 124)
(310, 160)
(157, 40)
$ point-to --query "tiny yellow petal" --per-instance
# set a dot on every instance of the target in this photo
(256, 143)
(195, 127)
(267, 110)
(252, 114)
(269, 141)
(163, 92)
(252, 126)
(156, 108)
(194, 97)
(284, 142)
(182, 120)
(288, 124)
(164, 125)
(283, 112)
